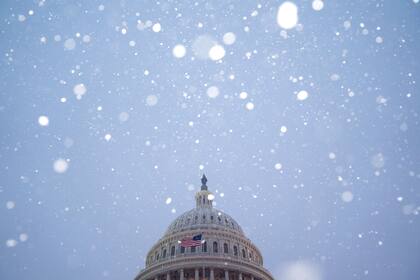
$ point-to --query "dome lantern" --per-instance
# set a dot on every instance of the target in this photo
(204, 198)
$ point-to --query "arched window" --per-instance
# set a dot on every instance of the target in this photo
(250, 255)
(243, 253)
(173, 251)
(204, 247)
(215, 249)
(235, 250)
(225, 248)
(164, 254)
(182, 250)
(157, 256)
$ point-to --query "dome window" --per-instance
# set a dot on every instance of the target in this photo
(204, 247)
(215, 248)
(173, 251)
(164, 254)
(243, 253)
(225, 248)
(192, 249)
(182, 250)
(235, 250)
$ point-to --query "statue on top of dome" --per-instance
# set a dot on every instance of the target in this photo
(203, 182)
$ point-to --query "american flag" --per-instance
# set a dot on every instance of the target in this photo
(191, 242)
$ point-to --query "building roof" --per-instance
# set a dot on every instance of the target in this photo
(204, 216)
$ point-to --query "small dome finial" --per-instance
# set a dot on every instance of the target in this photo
(203, 183)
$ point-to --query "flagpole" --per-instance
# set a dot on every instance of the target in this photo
(204, 270)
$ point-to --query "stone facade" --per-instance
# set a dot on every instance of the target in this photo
(224, 254)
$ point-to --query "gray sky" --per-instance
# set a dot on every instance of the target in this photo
(306, 125)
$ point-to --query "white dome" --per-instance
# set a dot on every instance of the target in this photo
(204, 218)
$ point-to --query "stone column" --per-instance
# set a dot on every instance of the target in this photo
(240, 276)
(227, 275)
(168, 276)
(211, 273)
(156, 278)
(197, 274)
(252, 277)
(181, 274)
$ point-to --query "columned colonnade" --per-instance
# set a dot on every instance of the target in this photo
(204, 273)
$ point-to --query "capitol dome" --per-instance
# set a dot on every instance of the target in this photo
(204, 244)
(204, 218)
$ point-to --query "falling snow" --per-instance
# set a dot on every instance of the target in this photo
(304, 115)
(317, 5)
(216, 52)
(302, 95)
(287, 15)
(213, 92)
(79, 90)
(250, 106)
(43, 121)
(229, 38)
(69, 44)
(179, 51)
(156, 27)
(243, 95)
(347, 196)
(10, 205)
(60, 165)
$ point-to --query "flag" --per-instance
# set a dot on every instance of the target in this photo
(191, 242)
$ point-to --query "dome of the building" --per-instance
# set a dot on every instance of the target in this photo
(204, 218)
(204, 244)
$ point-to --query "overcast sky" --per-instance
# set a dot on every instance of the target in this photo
(303, 115)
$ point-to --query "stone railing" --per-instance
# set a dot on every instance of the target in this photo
(204, 259)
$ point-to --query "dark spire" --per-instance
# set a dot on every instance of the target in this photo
(203, 183)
